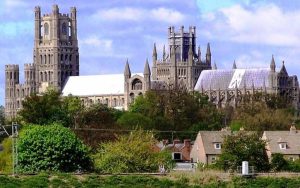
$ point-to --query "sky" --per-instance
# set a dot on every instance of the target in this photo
(110, 31)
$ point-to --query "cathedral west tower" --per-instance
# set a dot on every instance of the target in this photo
(55, 58)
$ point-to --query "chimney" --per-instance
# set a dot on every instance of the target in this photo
(187, 142)
(165, 142)
(176, 141)
(293, 129)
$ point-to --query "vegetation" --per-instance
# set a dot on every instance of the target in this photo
(6, 156)
(131, 153)
(51, 148)
(243, 146)
(49, 108)
(263, 112)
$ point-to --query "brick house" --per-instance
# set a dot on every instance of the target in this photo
(180, 150)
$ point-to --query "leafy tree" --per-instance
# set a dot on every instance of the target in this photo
(264, 112)
(51, 148)
(278, 162)
(179, 110)
(131, 153)
(98, 116)
(132, 120)
(6, 156)
(2, 115)
(243, 146)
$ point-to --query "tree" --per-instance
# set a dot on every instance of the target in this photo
(243, 146)
(264, 112)
(132, 120)
(50, 108)
(51, 148)
(2, 115)
(131, 153)
(278, 162)
(179, 110)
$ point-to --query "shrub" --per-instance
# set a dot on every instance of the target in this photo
(131, 153)
(51, 148)
(6, 156)
(278, 163)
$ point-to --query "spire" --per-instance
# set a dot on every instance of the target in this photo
(273, 65)
(283, 69)
(208, 54)
(147, 68)
(164, 53)
(199, 53)
(127, 69)
(234, 65)
(154, 54)
(215, 66)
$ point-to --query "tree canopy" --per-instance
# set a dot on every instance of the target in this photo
(243, 146)
(133, 152)
(51, 148)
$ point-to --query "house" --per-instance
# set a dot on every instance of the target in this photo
(284, 142)
(207, 146)
(180, 151)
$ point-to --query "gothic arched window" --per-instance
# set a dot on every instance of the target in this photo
(137, 84)
(64, 28)
(46, 29)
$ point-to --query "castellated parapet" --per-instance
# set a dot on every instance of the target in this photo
(180, 65)
(55, 58)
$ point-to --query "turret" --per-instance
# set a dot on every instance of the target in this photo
(283, 69)
(37, 24)
(127, 72)
(215, 66)
(147, 74)
(234, 65)
(272, 64)
(154, 54)
(164, 53)
(208, 54)
(190, 55)
(199, 53)
(55, 30)
(73, 23)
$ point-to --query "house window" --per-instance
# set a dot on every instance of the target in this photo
(176, 156)
(291, 158)
(213, 159)
(217, 145)
(282, 145)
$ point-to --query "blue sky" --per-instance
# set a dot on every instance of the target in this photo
(110, 31)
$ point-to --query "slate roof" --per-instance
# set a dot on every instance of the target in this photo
(291, 138)
(209, 138)
(229, 79)
(107, 84)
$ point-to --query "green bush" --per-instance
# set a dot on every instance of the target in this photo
(131, 153)
(278, 163)
(6, 156)
(294, 166)
(51, 148)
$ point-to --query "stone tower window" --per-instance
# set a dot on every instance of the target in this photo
(46, 29)
(64, 29)
(136, 84)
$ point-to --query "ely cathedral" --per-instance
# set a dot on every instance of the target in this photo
(180, 64)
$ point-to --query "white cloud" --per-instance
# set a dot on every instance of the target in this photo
(265, 24)
(97, 42)
(167, 15)
(139, 14)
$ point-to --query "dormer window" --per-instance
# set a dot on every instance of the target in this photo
(217, 145)
(282, 145)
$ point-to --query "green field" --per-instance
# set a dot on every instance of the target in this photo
(173, 180)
